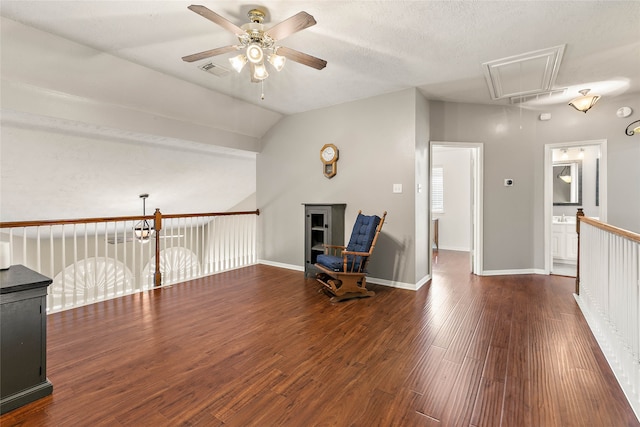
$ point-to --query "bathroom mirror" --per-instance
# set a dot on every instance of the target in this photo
(567, 183)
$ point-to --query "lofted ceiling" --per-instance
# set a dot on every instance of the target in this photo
(126, 56)
(372, 47)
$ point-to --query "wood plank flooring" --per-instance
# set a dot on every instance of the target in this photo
(261, 346)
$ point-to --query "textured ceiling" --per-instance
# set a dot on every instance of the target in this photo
(96, 87)
(372, 47)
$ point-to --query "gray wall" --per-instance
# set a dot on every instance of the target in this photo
(376, 139)
(382, 141)
(508, 135)
(514, 141)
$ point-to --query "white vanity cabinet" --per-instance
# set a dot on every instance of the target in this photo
(564, 242)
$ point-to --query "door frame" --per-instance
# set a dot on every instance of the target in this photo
(548, 190)
(477, 185)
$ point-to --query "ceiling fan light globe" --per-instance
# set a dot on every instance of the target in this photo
(255, 53)
(277, 61)
(238, 62)
(260, 72)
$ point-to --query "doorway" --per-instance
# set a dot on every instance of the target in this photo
(575, 176)
(459, 230)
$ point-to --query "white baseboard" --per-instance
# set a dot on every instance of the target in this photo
(565, 261)
(510, 272)
(426, 279)
(281, 265)
(393, 283)
(453, 248)
(412, 286)
(383, 282)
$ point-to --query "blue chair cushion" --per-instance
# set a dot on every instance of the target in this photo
(364, 231)
(331, 262)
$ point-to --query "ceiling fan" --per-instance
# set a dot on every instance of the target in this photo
(259, 44)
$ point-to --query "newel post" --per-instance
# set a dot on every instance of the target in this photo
(157, 224)
(578, 215)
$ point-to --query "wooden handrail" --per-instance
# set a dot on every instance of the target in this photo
(256, 212)
(612, 229)
(12, 224)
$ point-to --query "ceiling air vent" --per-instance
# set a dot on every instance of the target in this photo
(526, 74)
(214, 69)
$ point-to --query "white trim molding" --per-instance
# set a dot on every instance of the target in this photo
(281, 265)
(513, 272)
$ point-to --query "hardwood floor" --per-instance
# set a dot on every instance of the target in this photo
(261, 346)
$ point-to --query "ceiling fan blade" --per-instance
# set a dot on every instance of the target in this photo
(297, 22)
(218, 19)
(112, 240)
(302, 58)
(209, 53)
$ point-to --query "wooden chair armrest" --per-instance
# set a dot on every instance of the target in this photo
(333, 249)
(334, 246)
(356, 253)
(361, 264)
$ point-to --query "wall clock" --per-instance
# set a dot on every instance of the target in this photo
(329, 157)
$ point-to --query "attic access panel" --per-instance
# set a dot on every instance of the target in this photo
(524, 74)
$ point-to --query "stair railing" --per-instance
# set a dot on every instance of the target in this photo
(608, 293)
(94, 259)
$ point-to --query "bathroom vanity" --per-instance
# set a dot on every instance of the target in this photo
(564, 240)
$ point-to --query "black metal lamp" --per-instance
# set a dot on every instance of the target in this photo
(143, 230)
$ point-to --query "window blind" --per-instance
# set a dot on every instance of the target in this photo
(437, 189)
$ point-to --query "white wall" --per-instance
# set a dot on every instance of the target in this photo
(454, 224)
(84, 133)
(54, 175)
(422, 191)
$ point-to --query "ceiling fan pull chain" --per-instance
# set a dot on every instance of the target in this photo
(262, 95)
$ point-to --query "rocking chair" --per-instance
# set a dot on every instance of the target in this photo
(343, 269)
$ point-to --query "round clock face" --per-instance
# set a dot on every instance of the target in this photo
(328, 154)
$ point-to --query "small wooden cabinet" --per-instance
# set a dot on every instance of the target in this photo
(323, 224)
(23, 337)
